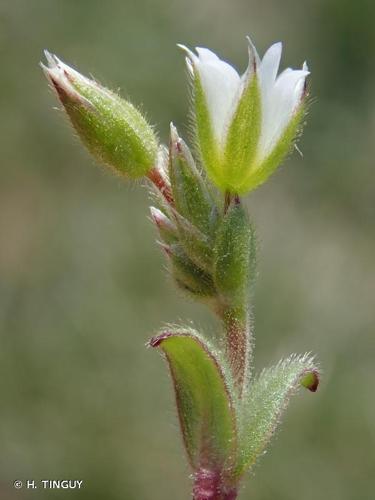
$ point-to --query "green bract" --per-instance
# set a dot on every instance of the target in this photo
(112, 129)
(204, 401)
(266, 399)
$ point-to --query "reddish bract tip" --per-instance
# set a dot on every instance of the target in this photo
(165, 248)
(158, 339)
(311, 381)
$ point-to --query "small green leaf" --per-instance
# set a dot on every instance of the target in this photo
(203, 397)
(266, 399)
(243, 136)
(234, 256)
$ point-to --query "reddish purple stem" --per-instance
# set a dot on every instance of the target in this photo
(210, 485)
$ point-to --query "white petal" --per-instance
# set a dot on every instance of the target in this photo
(280, 98)
(206, 55)
(221, 85)
(270, 65)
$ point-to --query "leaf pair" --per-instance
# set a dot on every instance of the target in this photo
(221, 433)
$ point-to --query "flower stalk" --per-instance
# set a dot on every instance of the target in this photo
(244, 128)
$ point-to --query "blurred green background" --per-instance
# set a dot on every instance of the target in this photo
(82, 285)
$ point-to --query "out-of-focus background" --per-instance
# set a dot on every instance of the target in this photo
(83, 286)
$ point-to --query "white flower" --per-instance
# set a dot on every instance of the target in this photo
(224, 101)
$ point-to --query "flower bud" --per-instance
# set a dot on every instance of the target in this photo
(188, 277)
(112, 129)
(190, 193)
(167, 230)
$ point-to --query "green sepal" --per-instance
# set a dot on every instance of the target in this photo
(260, 171)
(243, 136)
(203, 396)
(204, 133)
(264, 402)
(189, 277)
(234, 256)
(191, 197)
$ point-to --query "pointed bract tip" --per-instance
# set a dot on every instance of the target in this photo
(253, 54)
(175, 138)
(186, 50)
(158, 339)
(166, 248)
(157, 216)
(191, 58)
(174, 133)
(52, 60)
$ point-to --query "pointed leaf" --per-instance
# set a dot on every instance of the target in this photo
(266, 400)
(203, 397)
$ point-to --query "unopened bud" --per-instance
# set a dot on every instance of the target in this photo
(112, 129)
(191, 197)
(167, 230)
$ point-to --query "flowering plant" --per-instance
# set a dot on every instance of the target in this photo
(244, 127)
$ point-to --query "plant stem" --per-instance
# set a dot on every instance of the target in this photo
(238, 344)
(210, 485)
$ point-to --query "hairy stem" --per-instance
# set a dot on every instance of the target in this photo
(210, 485)
(238, 344)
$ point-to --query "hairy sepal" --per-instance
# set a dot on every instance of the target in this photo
(196, 244)
(242, 137)
(261, 170)
(234, 257)
(191, 197)
(264, 402)
(204, 399)
(188, 276)
(208, 146)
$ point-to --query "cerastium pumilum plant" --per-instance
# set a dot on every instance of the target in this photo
(244, 126)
